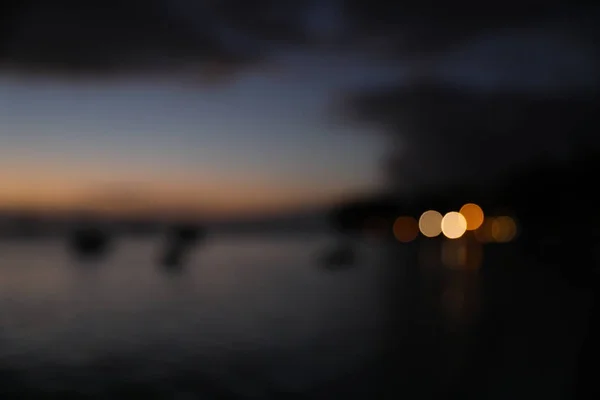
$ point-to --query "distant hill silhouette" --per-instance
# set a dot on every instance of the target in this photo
(555, 202)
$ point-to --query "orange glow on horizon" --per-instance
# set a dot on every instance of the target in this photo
(214, 198)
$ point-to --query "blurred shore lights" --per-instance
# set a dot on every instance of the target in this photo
(504, 229)
(406, 229)
(501, 229)
(454, 225)
(473, 215)
(430, 224)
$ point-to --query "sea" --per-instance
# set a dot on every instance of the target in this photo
(261, 316)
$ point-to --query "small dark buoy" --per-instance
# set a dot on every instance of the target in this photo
(180, 240)
(173, 257)
(341, 257)
(187, 234)
(89, 242)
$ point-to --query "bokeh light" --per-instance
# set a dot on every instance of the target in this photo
(483, 234)
(454, 225)
(473, 214)
(406, 229)
(430, 223)
(504, 229)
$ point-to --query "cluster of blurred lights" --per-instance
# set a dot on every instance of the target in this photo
(455, 224)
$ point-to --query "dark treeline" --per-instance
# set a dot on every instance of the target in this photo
(554, 201)
(531, 154)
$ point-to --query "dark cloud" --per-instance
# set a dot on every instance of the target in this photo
(110, 35)
(94, 36)
(440, 129)
(455, 133)
(105, 35)
(419, 28)
(265, 19)
(488, 96)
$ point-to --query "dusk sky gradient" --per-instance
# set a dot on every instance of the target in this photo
(262, 139)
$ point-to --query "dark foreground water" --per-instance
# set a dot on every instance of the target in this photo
(259, 318)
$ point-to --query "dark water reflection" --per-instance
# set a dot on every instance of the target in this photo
(257, 317)
(493, 325)
(243, 309)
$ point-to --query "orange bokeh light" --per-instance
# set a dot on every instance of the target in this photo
(473, 214)
(483, 234)
(504, 229)
(406, 229)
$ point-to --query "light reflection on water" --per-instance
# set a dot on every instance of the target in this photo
(236, 297)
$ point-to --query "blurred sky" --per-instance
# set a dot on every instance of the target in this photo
(259, 142)
(262, 139)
